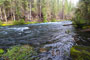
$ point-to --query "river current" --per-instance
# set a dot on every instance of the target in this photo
(56, 38)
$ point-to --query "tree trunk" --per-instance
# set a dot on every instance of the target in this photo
(30, 11)
(14, 16)
(40, 12)
(5, 16)
(63, 2)
(1, 18)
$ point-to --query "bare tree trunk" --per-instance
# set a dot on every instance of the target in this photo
(12, 11)
(28, 14)
(5, 16)
(63, 2)
(40, 11)
(14, 16)
(1, 14)
(30, 10)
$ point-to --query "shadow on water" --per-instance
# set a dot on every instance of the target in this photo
(52, 40)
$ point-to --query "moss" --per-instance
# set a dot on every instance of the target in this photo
(86, 27)
(80, 53)
(24, 52)
(1, 51)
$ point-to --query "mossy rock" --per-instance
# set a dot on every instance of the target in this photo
(1, 52)
(24, 52)
(80, 53)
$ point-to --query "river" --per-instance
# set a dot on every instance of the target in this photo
(56, 37)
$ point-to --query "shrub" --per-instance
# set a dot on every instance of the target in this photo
(79, 22)
(32, 22)
(45, 21)
(19, 22)
(45, 18)
(20, 53)
(82, 13)
(44, 15)
(80, 53)
(53, 20)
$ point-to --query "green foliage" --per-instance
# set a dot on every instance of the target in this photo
(34, 9)
(24, 52)
(31, 22)
(45, 21)
(80, 53)
(53, 20)
(82, 13)
(79, 22)
(0, 23)
(44, 10)
(19, 22)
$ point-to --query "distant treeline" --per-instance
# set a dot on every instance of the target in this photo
(41, 10)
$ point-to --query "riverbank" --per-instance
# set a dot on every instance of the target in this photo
(22, 22)
(80, 53)
(57, 39)
(81, 50)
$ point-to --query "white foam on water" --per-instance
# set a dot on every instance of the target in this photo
(19, 28)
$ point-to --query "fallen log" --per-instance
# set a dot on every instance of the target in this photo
(67, 24)
(86, 30)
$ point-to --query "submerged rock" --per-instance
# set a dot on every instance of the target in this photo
(80, 53)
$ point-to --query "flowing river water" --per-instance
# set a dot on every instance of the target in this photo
(56, 37)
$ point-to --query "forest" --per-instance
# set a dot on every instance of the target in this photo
(44, 29)
(35, 10)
